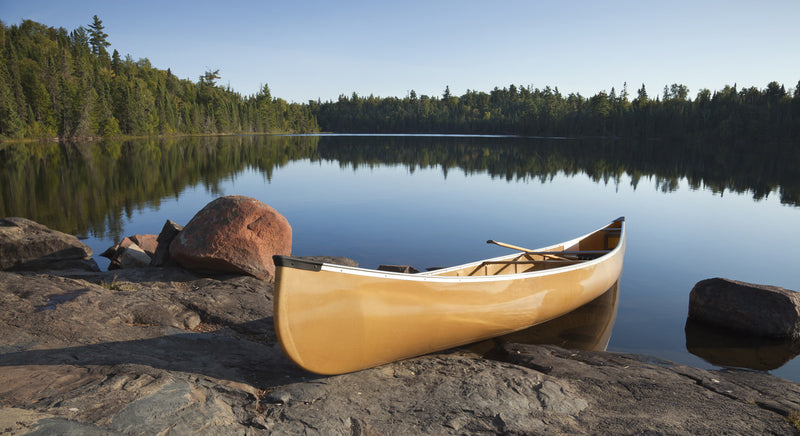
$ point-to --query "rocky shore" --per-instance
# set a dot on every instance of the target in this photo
(168, 350)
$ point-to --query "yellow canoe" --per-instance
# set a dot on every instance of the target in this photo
(333, 319)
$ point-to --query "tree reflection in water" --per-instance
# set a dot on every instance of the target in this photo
(87, 188)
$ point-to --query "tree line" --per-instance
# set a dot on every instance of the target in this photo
(55, 83)
(66, 84)
(771, 113)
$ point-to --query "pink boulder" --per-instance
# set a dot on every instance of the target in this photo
(148, 243)
(233, 234)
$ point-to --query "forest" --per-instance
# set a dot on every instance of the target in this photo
(55, 83)
(770, 114)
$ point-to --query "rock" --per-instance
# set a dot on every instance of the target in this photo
(405, 269)
(754, 309)
(630, 394)
(148, 243)
(161, 255)
(234, 234)
(110, 251)
(26, 245)
(438, 394)
(127, 254)
(132, 256)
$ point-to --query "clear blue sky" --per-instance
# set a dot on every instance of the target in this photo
(305, 50)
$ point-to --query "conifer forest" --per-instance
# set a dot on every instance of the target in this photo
(66, 84)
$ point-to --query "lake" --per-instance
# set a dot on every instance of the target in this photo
(693, 210)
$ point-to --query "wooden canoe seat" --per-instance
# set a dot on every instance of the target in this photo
(549, 259)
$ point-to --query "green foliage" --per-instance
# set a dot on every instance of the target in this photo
(794, 419)
(59, 83)
(749, 114)
(98, 38)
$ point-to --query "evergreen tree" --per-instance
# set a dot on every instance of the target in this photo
(97, 38)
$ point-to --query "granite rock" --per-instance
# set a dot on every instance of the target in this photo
(746, 307)
(28, 245)
(233, 234)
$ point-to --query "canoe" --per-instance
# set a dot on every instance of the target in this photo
(333, 319)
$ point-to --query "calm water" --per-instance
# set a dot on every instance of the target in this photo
(434, 201)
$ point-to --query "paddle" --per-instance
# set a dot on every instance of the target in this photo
(525, 250)
(582, 254)
(503, 244)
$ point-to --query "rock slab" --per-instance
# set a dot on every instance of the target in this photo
(755, 309)
(233, 234)
(168, 233)
(28, 245)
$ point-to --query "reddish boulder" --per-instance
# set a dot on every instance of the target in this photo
(234, 234)
(148, 243)
(132, 252)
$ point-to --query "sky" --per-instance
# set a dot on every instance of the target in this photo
(318, 50)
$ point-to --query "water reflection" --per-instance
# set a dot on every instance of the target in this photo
(588, 327)
(88, 188)
(729, 349)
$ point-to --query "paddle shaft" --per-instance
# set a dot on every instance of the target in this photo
(503, 244)
(525, 250)
(550, 254)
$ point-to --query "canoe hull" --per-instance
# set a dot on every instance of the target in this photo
(341, 319)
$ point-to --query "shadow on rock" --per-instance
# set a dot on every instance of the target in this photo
(220, 355)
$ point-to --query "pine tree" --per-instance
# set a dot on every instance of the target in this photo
(97, 38)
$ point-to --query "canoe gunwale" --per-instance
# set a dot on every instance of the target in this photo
(433, 276)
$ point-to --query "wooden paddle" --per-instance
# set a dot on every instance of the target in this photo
(582, 254)
(503, 244)
(525, 250)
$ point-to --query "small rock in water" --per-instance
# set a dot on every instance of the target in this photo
(756, 309)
